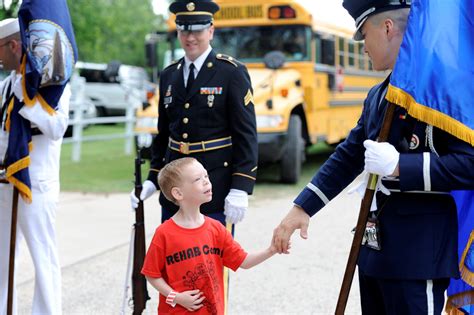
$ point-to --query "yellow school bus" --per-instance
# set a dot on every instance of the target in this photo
(315, 95)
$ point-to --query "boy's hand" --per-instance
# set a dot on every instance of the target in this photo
(273, 249)
(190, 300)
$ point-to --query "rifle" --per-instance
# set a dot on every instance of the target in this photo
(362, 220)
(139, 288)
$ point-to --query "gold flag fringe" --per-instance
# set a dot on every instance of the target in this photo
(23, 189)
(466, 274)
(37, 98)
(429, 115)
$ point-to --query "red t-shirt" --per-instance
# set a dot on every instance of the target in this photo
(189, 259)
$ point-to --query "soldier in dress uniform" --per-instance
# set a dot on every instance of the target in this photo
(36, 220)
(206, 111)
(405, 266)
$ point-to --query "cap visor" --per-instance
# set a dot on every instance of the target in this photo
(358, 32)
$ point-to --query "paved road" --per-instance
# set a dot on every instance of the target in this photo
(94, 232)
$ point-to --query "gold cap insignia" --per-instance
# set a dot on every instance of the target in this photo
(190, 6)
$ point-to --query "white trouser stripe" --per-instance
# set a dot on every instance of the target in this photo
(318, 192)
(429, 297)
(426, 171)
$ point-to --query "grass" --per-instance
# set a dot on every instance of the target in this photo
(104, 167)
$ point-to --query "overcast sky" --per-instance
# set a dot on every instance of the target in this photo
(330, 11)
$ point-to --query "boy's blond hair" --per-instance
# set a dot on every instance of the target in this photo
(171, 176)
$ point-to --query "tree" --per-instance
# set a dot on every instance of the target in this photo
(112, 29)
(10, 10)
(106, 30)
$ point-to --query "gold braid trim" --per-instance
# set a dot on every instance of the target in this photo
(32, 101)
(19, 165)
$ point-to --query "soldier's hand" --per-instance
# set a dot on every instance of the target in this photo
(191, 300)
(148, 188)
(381, 158)
(235, 206)
(297, 218)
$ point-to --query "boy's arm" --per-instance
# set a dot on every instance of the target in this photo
(191, 300)
(254, 259)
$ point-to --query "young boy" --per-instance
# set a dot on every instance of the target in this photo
(186, 257)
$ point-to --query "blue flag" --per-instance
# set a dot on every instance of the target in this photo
(432, 79)
(460, 291)
(433, 74)
(49, 55)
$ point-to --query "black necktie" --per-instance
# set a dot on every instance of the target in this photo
(190, 82)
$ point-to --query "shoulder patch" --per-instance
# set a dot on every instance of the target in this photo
(248, 98)
(174, 62)
(229, 59)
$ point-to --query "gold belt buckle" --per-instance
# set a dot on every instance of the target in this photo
(184, 148)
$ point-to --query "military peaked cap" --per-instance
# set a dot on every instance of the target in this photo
(193, 15)
(360, 10)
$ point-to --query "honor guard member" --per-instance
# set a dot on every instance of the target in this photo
(206, 111)
(36, 221)
(405, 266)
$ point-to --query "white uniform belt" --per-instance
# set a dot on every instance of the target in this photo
(393, 185)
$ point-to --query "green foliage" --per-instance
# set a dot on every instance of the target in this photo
(9, 11)
(112, 30)
(107, 30)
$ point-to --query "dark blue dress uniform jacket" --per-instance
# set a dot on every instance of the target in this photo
(418, 221)
(197, 116)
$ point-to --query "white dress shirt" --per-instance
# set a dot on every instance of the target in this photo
(197, 64)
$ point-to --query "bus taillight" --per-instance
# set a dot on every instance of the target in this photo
(281, 12)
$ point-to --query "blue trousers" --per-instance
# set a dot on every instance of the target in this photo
(396, 297)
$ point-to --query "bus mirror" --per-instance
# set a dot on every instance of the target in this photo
(150, 54)
(274, 59)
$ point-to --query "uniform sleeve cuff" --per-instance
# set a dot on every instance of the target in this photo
(309, 201)
(153, 177)
(243, 183)
(411, 172)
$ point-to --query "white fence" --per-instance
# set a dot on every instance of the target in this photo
(78, 123)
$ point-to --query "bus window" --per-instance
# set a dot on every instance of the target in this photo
(362, 63)
(341, 53)
(327, 51)
(318, 49)
(250, 44)
(351, 54)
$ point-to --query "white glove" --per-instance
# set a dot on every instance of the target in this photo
(381, 158)
(362, 186)
(235, 205)
(17, 88)
(148, 188)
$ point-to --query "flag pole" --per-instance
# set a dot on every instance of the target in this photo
(362, 220)
(11, 270)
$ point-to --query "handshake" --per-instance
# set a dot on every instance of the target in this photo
(235, 204)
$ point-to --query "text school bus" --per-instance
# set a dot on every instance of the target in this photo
(315, 95)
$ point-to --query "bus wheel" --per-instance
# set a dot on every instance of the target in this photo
(290, 165)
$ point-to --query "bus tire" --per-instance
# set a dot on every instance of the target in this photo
(290, 165)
